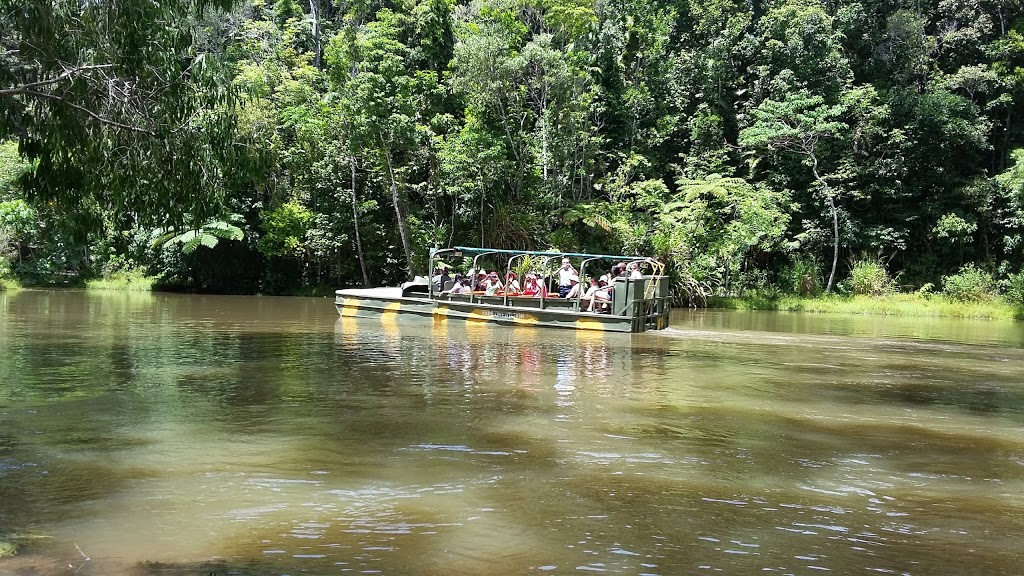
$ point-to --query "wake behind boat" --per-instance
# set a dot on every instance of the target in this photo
(534, 289)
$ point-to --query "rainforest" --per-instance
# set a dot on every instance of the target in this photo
(776, 147)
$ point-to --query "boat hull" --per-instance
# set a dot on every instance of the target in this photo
(386, 303)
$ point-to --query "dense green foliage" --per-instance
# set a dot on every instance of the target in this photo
(119, 110)
(970, 284)
(754, 146)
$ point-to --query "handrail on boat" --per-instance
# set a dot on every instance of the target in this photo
(579, 297)
(652, 307)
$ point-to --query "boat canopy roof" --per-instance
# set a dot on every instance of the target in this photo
(470, 250)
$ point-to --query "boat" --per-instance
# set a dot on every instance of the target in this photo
(637, 303)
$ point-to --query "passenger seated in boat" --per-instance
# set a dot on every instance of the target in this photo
(492, 284)
(442, 277)
(634, 270)
(600, 298)
(511, 284)
(574, 287)
(461, 285)
(534, 287)
(588, 295)
(478, 281)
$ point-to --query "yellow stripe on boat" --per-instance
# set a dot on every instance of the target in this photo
(441, 314)
(588, 324)
(389, 315)
(477, 316)
(349, 307)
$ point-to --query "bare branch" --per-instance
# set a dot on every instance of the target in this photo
(90, 113)
(68, 72)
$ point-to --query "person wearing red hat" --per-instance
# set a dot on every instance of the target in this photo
(533, 287)
(511, 284)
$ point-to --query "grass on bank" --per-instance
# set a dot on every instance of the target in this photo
(127, 281)
(893, 305)
(9, 285)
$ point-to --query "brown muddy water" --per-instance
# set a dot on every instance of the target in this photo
(187, 435)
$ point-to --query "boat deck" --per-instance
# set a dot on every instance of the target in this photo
(383, 292)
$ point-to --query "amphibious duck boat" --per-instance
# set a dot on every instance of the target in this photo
(629, 302)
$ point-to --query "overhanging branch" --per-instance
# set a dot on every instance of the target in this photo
(67, 73)
(106, 121)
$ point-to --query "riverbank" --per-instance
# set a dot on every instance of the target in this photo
(131, 281)
(895, 305)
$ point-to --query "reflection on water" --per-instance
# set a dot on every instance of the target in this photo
(172, 434)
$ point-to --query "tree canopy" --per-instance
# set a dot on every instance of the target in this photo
(746, 143)
(117, 106)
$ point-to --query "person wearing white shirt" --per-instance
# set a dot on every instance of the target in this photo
(564, 274)
(597, 294)
(574, 289)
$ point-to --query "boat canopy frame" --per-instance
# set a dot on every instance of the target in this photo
(549, 253)
(657, 267)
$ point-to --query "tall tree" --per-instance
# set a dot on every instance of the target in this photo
(380, 98)
(804, 126)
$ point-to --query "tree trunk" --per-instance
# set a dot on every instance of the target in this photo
(399, 212)
(835, 222)
(355, 224)
(544, 131)
(314, 12)
(835, 238)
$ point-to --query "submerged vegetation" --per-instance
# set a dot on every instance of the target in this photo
(791, 147)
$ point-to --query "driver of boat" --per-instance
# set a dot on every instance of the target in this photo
(564, 274)
(492, 284)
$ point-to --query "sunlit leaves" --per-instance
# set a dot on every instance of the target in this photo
(284, 229)
(206, 235)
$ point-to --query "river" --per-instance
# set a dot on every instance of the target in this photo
(183, 435)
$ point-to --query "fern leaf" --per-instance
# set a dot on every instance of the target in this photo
(191, 244)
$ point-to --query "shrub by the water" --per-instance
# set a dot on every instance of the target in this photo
(870, 278)
(801, 277)
(970, 284)
(122, 274)
(1014, 285)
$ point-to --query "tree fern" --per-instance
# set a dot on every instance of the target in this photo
(208, 235)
